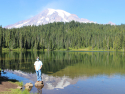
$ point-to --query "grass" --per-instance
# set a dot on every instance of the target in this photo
(11, 81)
(17, 83)
(15, 91)
(18, 50)
(83, 49)
(70, 49)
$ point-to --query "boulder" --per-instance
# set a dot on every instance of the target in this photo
(28, 84)
(28, 87)
(39, 87)
(39, 84)
(19, 87)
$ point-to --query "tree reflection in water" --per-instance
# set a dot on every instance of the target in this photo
(84, 62)
(62, 69)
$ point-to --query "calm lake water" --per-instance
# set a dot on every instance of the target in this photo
(67, 72)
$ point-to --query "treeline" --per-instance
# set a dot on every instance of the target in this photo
(62, 35)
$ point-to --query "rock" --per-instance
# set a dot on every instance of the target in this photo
(39, 87)
(19, 87)
(28, 84)
(39, 84)
(28, 87)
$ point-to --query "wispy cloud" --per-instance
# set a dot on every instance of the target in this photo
(54, 5)
(30, 16)
(58, 4)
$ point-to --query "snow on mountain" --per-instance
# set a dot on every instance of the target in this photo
(111, 23)
(61, 13)
(49, 16)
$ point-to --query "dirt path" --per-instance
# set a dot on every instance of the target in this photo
(5, 85)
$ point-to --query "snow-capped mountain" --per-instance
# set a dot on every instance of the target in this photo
(49, 16)
(111, 23)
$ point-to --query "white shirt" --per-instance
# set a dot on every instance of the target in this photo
(38, 64)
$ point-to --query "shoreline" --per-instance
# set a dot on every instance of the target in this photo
(6, 84)
(9, 86)
(70, 49)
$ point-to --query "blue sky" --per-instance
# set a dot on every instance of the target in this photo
(100, 11)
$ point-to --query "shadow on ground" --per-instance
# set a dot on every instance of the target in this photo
(3, 78)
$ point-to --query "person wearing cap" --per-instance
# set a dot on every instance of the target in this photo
(38, 66)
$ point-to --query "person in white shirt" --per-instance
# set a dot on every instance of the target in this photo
(38, 66)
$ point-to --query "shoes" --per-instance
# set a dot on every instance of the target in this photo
(41, 82)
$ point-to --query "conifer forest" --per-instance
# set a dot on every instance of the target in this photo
(60, 35)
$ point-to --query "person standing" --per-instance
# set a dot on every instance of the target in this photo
(38, 66)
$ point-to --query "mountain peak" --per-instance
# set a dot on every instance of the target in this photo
(111, 23)
(60, 12)
(49, 16)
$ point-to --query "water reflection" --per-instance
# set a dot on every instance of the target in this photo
(99, 62)
(50, 82)
(98, 84)
(62, 70)
(39, 89)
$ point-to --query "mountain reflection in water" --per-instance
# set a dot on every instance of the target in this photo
(82, 72)
(50, 82)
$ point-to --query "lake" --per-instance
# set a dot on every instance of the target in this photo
(69, 72)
